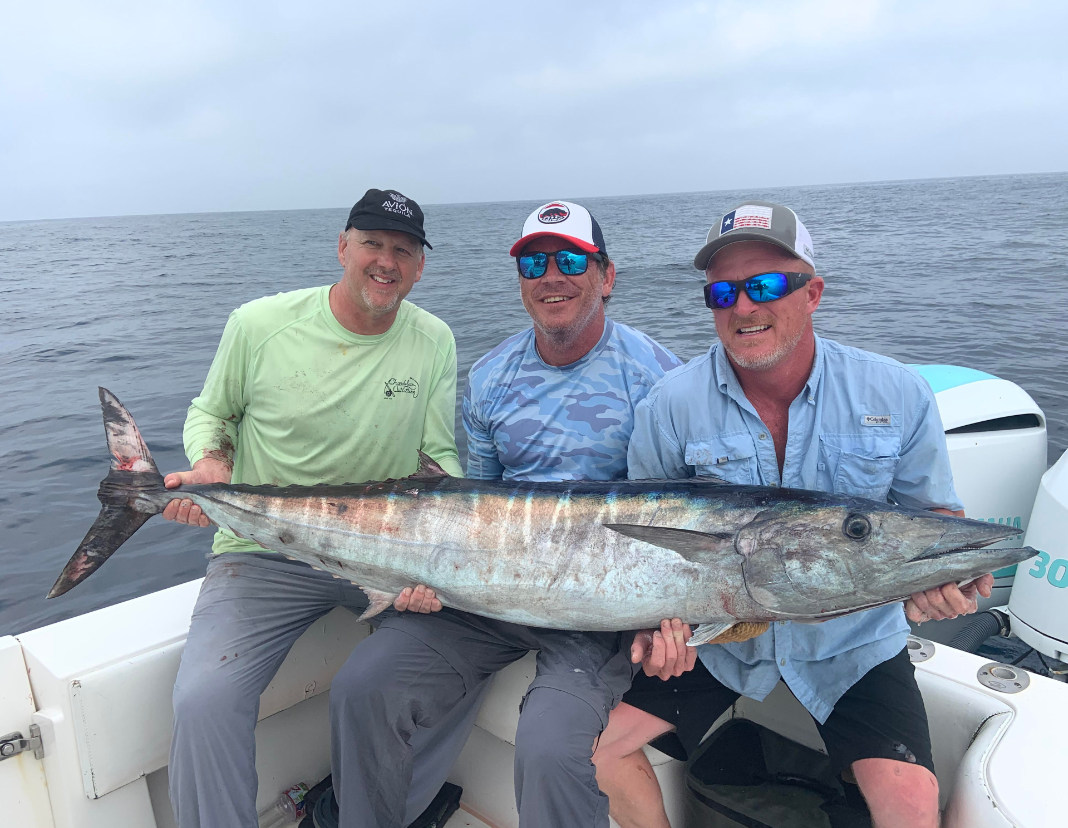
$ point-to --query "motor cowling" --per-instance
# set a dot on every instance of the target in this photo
(1038, 605)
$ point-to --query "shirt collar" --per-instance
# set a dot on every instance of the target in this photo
(591, 354)
(727, 380)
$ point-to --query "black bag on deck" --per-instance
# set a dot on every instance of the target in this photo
(323, 810)
(747, 776)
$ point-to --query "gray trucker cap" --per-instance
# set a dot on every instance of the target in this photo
(758, 221)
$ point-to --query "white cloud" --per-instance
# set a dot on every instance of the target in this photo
(119, 107)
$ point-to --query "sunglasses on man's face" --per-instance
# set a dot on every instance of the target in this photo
(764, 287)
(568, 262)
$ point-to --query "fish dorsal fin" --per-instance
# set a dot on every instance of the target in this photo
(693, 546)
(428, 467)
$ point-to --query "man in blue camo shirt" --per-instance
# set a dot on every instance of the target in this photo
(553, 403)
(773, 404)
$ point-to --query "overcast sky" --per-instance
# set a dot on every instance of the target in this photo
(110, 108)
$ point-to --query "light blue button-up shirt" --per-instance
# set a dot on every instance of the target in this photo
(864, 425)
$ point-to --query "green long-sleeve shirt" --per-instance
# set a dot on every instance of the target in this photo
(292, 397)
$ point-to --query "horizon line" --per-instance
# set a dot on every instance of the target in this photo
(869, 183)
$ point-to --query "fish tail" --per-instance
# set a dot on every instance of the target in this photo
(126, 495)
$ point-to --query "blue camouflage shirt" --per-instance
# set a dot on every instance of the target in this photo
(527, 420)
(864, 425)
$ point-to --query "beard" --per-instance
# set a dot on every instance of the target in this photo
(765, 361)
(372, 301)
(564, 335)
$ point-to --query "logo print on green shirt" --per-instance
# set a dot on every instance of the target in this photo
(396, 386)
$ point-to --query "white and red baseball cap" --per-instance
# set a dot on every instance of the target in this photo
(566, 220)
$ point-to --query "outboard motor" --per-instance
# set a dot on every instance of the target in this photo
(1038, 607)
(996, 436)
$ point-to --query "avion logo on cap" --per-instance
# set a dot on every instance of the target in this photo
(397, 205)
(553, 213)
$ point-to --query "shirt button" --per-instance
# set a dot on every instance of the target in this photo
(762, 436)
(782, 623)
(782, 662)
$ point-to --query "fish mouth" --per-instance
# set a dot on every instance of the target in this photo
(960, 554)
(964, 536)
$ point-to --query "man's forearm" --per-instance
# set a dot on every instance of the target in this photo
(208, 437)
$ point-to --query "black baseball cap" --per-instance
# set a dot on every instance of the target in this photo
(388, 210)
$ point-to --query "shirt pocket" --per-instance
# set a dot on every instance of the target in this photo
(864, 465)
(729, 457)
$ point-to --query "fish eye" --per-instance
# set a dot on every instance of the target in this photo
(856, 527)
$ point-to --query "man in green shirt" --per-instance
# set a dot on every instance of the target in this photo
(334, 384)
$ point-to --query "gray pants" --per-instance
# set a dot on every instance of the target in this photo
(250, 610)
(417, 671)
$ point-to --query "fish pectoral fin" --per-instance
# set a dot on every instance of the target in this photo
(428, 467)
(726, 633)
(693, 546)
(706, 632)
(377, 601)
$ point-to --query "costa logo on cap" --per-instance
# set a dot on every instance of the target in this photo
(553, 213)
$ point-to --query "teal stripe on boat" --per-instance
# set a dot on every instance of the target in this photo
(1007, 572)
(944, 377)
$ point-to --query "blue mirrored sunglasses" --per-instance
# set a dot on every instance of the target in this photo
(568, 262)
(764, 287)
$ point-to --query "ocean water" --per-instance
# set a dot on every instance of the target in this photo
(969, 271)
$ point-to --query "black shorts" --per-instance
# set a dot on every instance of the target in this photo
(880, 717)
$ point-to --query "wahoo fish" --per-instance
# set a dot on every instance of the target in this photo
(597, 556)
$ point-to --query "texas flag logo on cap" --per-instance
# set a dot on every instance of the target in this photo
(758, 221)
(748, 215)
(565, 220)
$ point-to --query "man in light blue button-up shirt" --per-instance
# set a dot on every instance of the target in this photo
(772, 404)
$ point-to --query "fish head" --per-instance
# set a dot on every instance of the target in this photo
(820, 559)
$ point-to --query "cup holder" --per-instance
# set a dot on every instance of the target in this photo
(1003, 678)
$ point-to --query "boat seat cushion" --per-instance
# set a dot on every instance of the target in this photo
(123, 716)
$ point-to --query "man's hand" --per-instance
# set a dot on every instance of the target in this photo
(420, 599)
(664, 652)
(947, 601)
(206, 470)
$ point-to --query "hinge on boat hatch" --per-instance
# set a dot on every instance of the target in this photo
(13, 744)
